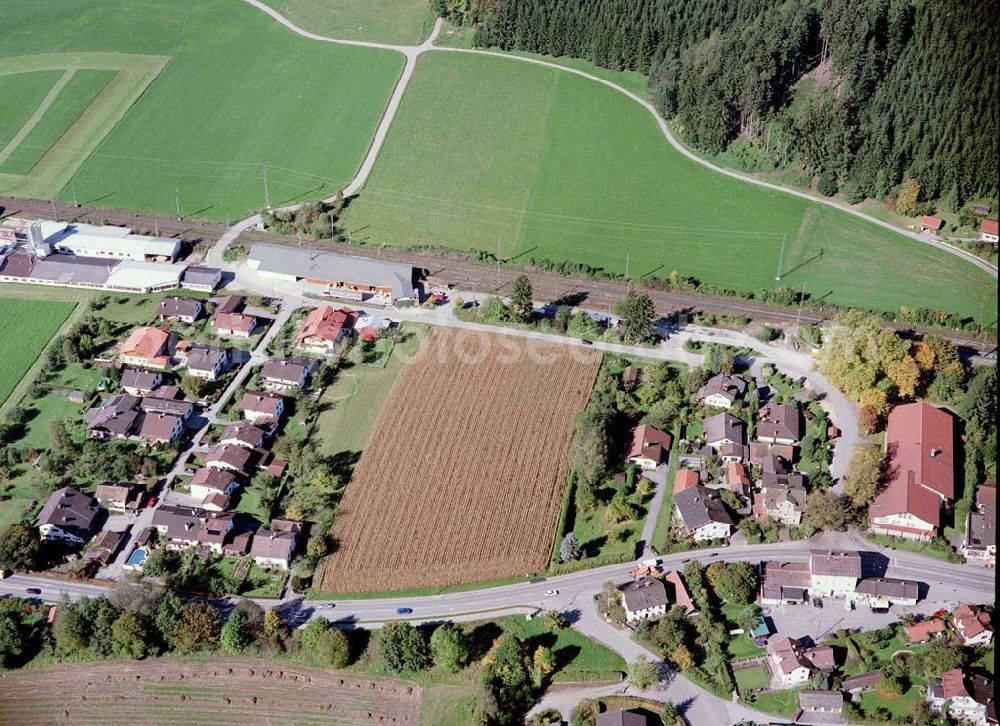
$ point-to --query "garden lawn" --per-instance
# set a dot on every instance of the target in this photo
(402, 22)
(26, 326)
(749, 679)
(614, 544)
(489, 153)
(783, 703)
(352, 403)
(578, 658)
(900, 707)
(239, 93)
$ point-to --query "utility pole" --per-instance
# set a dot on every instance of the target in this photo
(73, 186)
(156, 226)
(498, 262)
(53, 203)
(267, 193)
(781, 259)
(628, 259)
(177, 201)
(802, 299)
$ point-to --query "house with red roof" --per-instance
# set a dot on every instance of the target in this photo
(988, 231)
(972, 625)
(234, 325)
(685, 479)
(930, 224)
(649, 447)
(146, 347)
(924, 631)
(951, 690)
(921, 453)
(324, 328)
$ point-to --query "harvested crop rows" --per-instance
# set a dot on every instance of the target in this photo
(168, 691)
(462, 477)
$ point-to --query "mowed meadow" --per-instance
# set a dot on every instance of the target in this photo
(26, 326)
(462, 477)
(491, 153)
(241, 99)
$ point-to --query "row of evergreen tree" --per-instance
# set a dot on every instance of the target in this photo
(906, 88)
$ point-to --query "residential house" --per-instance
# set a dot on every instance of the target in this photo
(737, 479)
(207, 361)
(930, 224)
(622, 717)
(286, 374)
(677, 592)
(791, 479)
(722, 429)
(784, 583)
(761, 450)
(884, 592)
(174, 406)
(702, 514)
(644, 599)
(925, 630)
(779, 424)
(952, 689)
(211, 481)
(274, 546)
(324, 328)
(146, 347)
(234, 325)
(982, 691)
(229, 304)
(201, 279)
(723, 390)
(68, 516)
(820, 707)
(192, 527)
(648, 447)
(980, 541)
(782, 504)
(104, 546)
(973, 626)
(118, 418)
(905, 509)
(861, 683)
(242, 433)
(833, 574)
(822, 658)
(139, 383)
(920, 439)
(184, 309)
(788, 664)
(988, 231)
(160, 428)
(685, 479)
(236, 459)
(119, 498)
(262, 408)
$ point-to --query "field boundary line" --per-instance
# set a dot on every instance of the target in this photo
(411, 52)
(42, 109)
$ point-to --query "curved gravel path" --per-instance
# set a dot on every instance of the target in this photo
(413, 52)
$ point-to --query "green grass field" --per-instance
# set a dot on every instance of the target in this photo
(81, 90)
(402, 22)
(749, 679)
(489, 152)
(239, 93)
(26, 326)
(22, 93)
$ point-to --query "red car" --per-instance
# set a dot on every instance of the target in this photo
(939, 613)
(151, 503)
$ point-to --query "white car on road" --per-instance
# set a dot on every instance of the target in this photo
(551, 593)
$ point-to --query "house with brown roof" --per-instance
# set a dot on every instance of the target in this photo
(788, 663)
(722, 429)
(723, 390)
(648, 448)
(622, 717)
(779, 424)
(864, 682)
(702, 514)
(242, 433)
(737, 479)
(140, 383)
(630, 378)
(119, 498)
(685, 479)
(286, 374)
(208, 362)
(782, 504)
(760, 451)
(677, 592)
(980, 541)
(234, 325)
(784, 583)
(822, 658)
(103, 547)
(230, 304)
(905, 509)
(923, 631)
(820, 707)
(973, 626)
(118, 418)
(184, 527)
(146, 347)
(236, 459)
(274, 546)
(920, 439)
(184, 309)
(988, 231)
(324, 328)
(644, 599)
(68, 516)
(884, 592)
(791, 479)
(160, 428)
(833, 573)
(930, 224)
(262, 408)
(953, 690)
(210, 481)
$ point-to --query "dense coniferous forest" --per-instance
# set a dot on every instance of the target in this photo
(897, 88)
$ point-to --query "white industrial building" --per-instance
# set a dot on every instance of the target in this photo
(90, 240)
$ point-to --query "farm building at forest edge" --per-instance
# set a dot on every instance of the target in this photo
(343, 276)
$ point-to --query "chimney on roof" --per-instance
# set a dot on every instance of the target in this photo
(935, 452)
(188, 526)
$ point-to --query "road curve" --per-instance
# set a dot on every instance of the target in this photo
(412, 52)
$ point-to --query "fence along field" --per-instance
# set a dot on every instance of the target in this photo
(168, 691)
(462, 477)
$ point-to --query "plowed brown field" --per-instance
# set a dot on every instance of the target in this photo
(462, 477)
(168, 691)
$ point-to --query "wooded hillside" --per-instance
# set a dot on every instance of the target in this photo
(898, 88)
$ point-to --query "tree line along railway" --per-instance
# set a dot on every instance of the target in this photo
(480, 277)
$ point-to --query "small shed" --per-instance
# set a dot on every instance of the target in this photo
(75, 396)
(930, 224)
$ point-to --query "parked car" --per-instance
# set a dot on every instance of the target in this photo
(33, 591)
(404, 611)
(151, 503)
(817, 603)
(551, 593)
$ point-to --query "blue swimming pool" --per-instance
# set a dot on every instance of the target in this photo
(137, 557)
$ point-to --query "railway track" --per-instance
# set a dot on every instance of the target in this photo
(463, 274)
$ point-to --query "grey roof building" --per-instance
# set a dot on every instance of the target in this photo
(137, 381)
(621, 717)
(646, 593)
(339, 272)
(888, 589)
(68, 514)
(698, 506)
(724, 387)
(724, 427)
(201, 278)
(68, 269)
